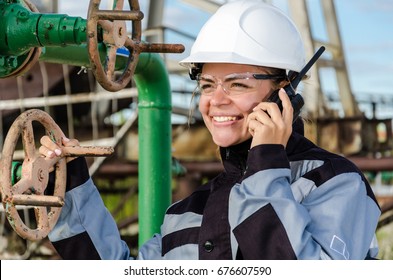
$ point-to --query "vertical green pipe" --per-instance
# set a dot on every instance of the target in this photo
(155, 134)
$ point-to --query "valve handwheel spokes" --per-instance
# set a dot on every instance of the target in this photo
(114, 37)
(29, 190)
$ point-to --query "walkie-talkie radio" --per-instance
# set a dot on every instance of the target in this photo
(296, 99)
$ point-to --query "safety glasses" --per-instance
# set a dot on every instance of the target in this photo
(233, 84)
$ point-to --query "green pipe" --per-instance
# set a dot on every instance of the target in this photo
(63, 41)
(18, 29)
(77, 55)
(154, 130)
(16, 172)
(155, 134)
(21, 30)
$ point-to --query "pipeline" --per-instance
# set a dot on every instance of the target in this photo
(62, 39)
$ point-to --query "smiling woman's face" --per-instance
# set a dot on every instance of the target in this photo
(225, 115)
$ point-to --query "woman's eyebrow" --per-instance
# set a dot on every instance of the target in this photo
(232, 77)
(207, 78)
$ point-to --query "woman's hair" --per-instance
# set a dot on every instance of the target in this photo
(193, 106)
(277, 83)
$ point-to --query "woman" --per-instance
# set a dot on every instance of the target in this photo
(280, 196)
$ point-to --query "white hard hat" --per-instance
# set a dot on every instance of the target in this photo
(248, 32)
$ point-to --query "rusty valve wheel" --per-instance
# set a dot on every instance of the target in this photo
(30, 189)
(114, 37)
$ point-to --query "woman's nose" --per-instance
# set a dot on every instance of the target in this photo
(219, 96)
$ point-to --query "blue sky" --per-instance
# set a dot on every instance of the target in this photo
(366, 28)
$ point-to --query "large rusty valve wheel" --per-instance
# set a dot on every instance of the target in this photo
(114, 37)
(30, 189)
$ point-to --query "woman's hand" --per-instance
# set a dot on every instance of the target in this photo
(268, 125)
(50, 149)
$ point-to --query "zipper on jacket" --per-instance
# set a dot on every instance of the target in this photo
(227, 152)
(242, 166)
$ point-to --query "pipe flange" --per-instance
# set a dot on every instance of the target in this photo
(24, 62)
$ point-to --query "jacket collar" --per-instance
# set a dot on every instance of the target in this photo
(234, 158)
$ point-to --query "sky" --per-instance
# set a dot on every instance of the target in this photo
(366, 28)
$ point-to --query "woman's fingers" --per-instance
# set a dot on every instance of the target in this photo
(268, 125)
(70, 142)
(50, 149)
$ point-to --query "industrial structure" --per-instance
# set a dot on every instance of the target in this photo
(60, 71)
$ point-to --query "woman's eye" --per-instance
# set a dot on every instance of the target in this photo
(239, 85)
(206, 86)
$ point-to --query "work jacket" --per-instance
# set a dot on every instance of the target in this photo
(301, 202)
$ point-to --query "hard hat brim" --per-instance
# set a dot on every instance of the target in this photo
(228, 57)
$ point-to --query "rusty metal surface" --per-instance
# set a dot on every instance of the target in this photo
(35, 174)
(87, 151)
(37, 200)
(115, 36)
(30, 189)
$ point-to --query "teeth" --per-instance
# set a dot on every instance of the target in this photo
(224, 119)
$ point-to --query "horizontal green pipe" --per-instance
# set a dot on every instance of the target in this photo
(77, 55)
(21, 30)
(18, 29)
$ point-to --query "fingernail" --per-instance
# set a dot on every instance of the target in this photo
(58, 152)
(49, 153)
